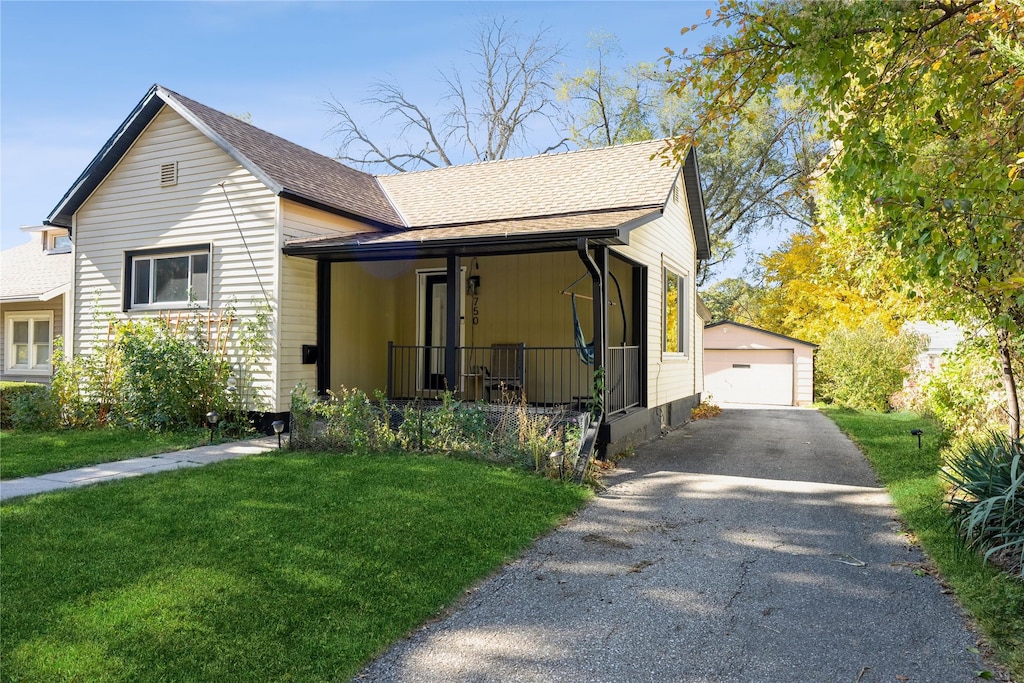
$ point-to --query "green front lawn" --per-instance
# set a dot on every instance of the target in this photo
(26, 454)
(278, 567)
(995, 599)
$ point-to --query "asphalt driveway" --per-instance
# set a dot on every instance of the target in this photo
(755, 546)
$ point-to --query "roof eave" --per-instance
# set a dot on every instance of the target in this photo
(758, 329)
(316, 204)
(105, 160)
(695, 200)
(477, 245)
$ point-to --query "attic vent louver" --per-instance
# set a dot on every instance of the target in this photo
(675, 194)
(169, 174)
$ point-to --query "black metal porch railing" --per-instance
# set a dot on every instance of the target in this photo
(545, 376)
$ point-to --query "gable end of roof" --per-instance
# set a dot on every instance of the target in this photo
(287, 169)
(105, 160)
(695, 200)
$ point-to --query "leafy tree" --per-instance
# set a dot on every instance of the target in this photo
(733, 299)
(755, 176)
(922, 100)
(489, 112)
(811, 288)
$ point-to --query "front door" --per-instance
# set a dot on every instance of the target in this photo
(435, 322)
(433, 326)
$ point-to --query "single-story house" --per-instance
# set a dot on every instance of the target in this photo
(744, 364)
(458, 278)
(35, 280)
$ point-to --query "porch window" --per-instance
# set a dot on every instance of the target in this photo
(675, 339)
(29, 341)
(167, 279)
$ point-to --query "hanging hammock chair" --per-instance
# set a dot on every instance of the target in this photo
(584, 349)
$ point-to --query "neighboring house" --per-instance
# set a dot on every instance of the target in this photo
(453, 277)
(941, 338)
(744, 364)
(35, 279)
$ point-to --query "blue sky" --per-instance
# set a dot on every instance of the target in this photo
(70, 72)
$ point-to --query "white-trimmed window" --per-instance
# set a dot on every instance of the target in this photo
(29, 339)
(676, 331)
(58, 243)
(167, 278)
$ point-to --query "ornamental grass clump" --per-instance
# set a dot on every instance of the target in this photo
(987, 500)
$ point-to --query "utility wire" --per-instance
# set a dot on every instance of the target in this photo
(244, 243)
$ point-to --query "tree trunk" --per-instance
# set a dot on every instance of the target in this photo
(1009, 382)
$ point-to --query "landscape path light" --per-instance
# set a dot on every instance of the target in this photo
(917, 433)
(278, 426)
(212, 418)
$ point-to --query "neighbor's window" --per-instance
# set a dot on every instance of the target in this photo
(675, 339)
(60, 243)
(168, 279)
(29, 341)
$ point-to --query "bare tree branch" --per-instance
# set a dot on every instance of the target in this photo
(491, 112)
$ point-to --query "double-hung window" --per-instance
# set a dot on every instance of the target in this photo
(167, 279)
(29, 341)
(675, 338)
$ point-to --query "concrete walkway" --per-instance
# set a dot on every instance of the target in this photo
(756, 546)
(135, 467)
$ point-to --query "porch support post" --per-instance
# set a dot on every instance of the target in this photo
(323, 327)
(598, 272)
(453, 323)
(601, 308)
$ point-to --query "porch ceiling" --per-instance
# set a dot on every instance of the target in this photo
(546, 233)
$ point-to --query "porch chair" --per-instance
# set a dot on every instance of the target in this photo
(507, 371)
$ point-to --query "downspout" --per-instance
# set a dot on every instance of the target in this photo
(598, 282)
(589, 440)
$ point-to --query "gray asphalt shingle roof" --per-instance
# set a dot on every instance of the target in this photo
(27, 272)
(551, 192)
(295, 169)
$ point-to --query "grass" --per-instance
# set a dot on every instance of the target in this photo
(994, 599)
(26, 454)
(284, 567)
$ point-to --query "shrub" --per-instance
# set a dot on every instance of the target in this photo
(965, 393)
(145, 373)
(346, 421)
(167, 380)
(861, 368)
(987, 500)
(35, 411)
(13, 395)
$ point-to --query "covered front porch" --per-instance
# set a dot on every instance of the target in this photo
(489, 323)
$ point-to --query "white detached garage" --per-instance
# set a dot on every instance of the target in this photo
(744, 364)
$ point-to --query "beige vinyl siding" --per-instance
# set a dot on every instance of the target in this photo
(519, 301)
(298, 295)
(363, 321)
(130, 210)
(298, 325)
(668, 242)
(300, 221)
(54, 306)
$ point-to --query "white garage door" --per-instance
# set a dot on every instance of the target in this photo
(749, 376)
